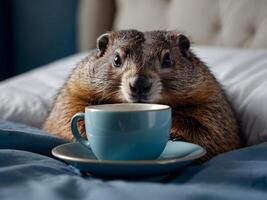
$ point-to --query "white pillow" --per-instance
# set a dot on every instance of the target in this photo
(27, 98)
(242, 72)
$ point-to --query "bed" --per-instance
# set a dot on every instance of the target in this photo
(29, 171)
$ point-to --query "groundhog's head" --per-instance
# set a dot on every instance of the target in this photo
(150, 67)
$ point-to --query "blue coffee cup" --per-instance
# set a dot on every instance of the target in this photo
(127, 131)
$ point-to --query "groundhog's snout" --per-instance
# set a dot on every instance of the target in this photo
(139, 87)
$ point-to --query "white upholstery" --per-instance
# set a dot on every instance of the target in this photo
(235, 23)
(95, 17)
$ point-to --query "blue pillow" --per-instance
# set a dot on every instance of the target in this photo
(21, 137)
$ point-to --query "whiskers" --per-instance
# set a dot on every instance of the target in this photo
(105, 89)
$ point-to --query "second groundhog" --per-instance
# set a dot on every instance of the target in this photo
(150, 67)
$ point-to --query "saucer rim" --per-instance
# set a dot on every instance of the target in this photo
(128, 162)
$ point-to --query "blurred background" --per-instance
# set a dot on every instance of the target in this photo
(36, 32)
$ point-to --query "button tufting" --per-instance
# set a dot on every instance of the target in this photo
(217, 26)
(251, 30)
(167, 1)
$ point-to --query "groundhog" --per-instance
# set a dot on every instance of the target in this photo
(150, 67)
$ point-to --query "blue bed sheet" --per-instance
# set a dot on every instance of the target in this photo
(28, 171)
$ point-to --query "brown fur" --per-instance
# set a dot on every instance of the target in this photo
(201, 112)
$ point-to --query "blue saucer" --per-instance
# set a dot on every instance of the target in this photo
(176, 155)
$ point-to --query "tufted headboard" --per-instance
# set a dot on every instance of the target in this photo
(236, 23)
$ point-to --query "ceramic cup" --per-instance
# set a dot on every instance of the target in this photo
(129, 131)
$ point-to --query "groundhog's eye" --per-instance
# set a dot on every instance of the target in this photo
(117, 61)
(166, 60)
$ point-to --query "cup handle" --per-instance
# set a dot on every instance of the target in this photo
(74, 128)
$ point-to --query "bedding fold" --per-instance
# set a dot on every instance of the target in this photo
(28, 172)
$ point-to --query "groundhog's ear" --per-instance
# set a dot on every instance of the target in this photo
(184, 44)
(102, 43)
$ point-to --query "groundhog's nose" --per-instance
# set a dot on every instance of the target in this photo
(140, 85)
